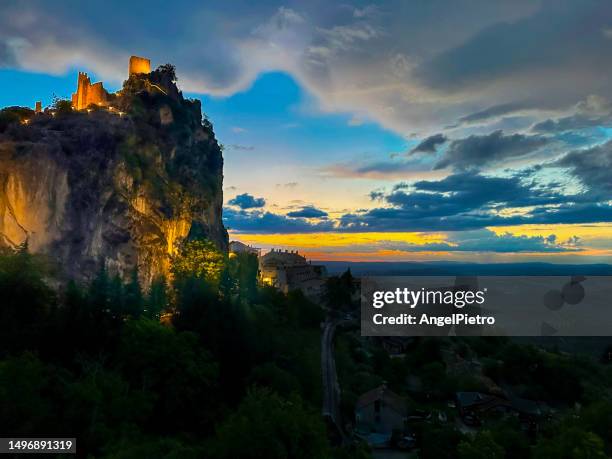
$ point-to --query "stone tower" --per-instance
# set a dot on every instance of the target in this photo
(139, 65)
(88, 93)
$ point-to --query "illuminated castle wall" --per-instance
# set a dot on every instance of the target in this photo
(88, 93)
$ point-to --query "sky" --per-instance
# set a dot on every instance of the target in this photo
(460, 130)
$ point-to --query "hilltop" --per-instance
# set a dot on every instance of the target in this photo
(120, 183)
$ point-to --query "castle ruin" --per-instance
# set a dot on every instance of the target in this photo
(88, 93)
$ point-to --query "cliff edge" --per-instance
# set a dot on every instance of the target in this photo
(121, 184)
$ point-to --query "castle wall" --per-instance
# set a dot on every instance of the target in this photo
(88, 93)
(96, 94)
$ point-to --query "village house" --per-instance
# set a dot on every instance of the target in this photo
(378, 414)
(474, 406)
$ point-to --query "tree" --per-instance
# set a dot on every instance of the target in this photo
(157, 299)
(267, 425)
(597, 418)
(570, 443)
(174, 367)
(481, 446)
(99, 290)
(133, 302)
(26, 299)
(511, 438)
(169, 70)
(198, 258)
(440, 442)
(242, 269)
(339, 291)
(61, 106)
(25, 404)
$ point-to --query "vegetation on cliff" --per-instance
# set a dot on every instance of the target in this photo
(121, 185)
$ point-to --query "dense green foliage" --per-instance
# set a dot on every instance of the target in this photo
(236, 372)
(574, 387)
(210, 364)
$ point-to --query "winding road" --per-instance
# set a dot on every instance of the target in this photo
(331, 389)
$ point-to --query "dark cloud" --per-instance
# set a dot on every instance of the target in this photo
(572, 123)
(267, 222)
(375, 169)
(485, 240)
(469, 200)
(377, 195)
(592, 112)
(479, 150)
(495, 111)
(592, 167)
(247, 201)
(535, 48)
(429, 144)
(467, 192)
(308, 212)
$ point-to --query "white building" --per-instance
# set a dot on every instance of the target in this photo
(288, 270)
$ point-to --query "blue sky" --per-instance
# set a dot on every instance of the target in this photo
(388, 130)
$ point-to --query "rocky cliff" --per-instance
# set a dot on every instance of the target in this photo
(121, 185)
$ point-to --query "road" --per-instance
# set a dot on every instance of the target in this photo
(331, 389)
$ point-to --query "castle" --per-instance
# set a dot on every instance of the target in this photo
(88, 93)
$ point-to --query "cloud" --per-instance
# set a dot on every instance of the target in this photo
(469, 200)
(430, 144)
(388, 63)
(308, 212)
(496, 111)
(496, 147)
(592, 167)
(7, 55)
(592, 112)
(271, 223)
(485, 240)
(247, 201)
(528, 49)
(287, 185)
(384, 169)
(460, 202)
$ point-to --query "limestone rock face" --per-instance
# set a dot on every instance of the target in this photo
(116, 186)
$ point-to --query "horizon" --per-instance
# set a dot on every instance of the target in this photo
(355, 135)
